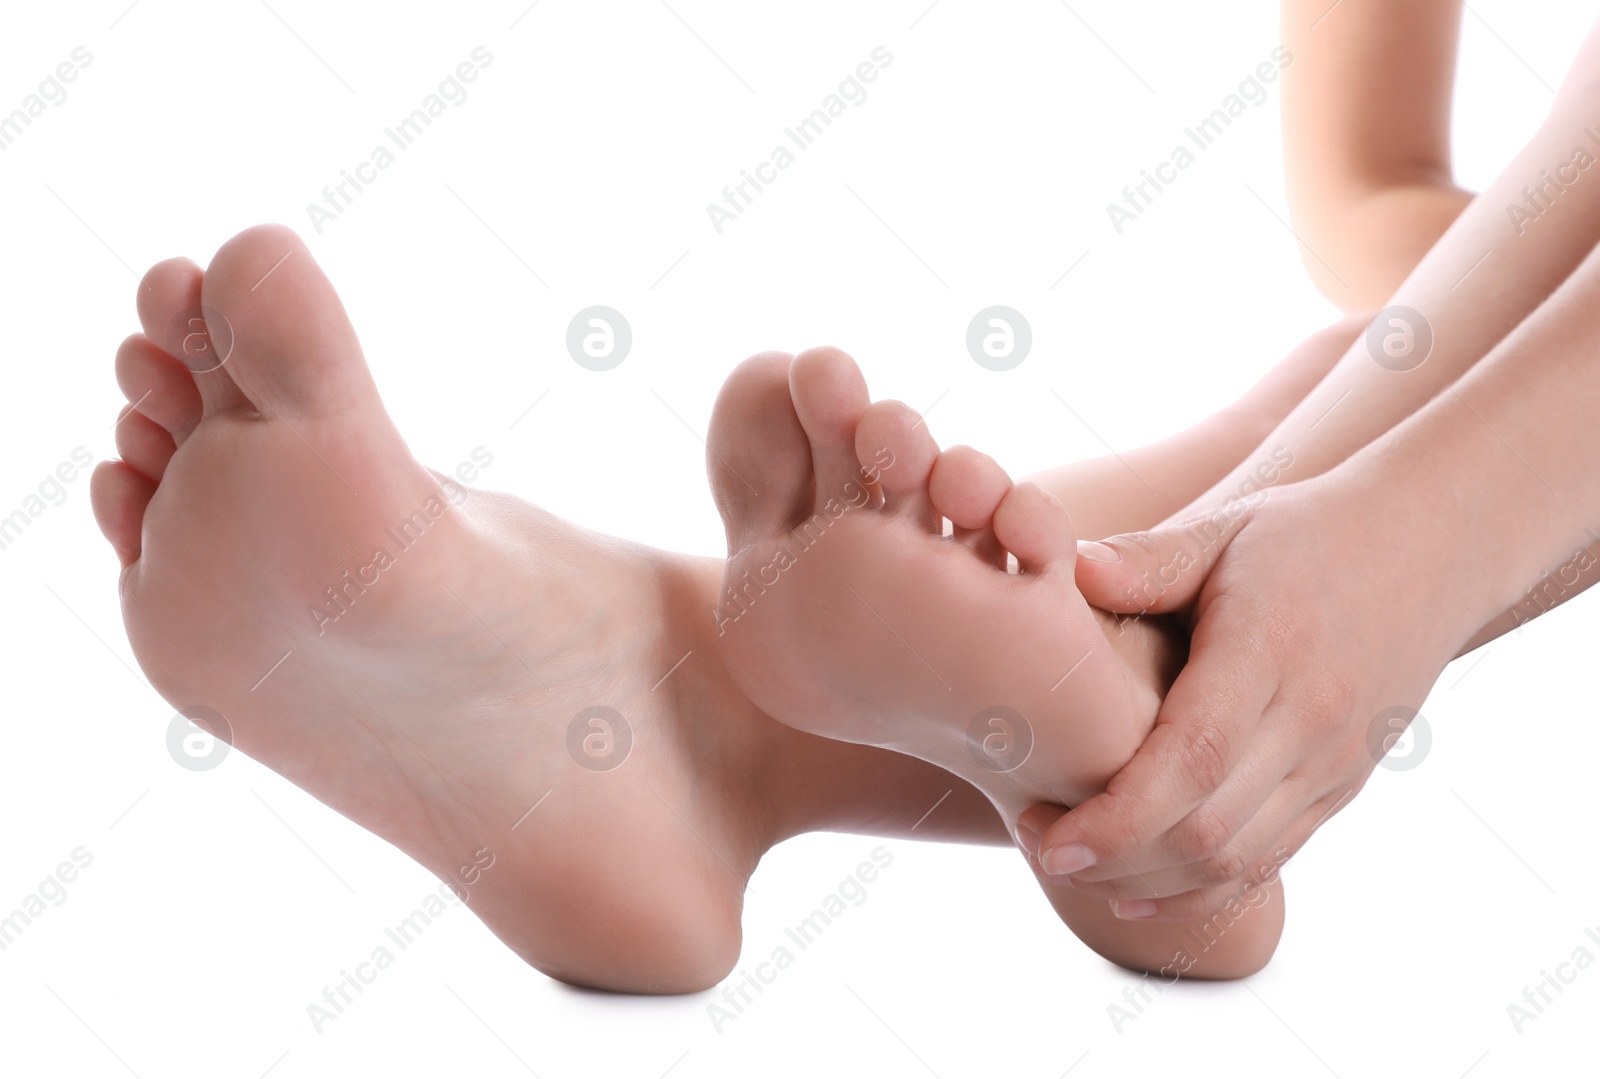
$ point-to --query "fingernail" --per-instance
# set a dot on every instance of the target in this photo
(1098, 552)
(1059, 861)
(1132, 908)
(1028, 839)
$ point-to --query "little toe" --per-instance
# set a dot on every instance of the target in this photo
(170, 312)
(119, 495)
(829, 397)
(894, 445)
(1036, 528)
(158, 385)
(757, 454)
(143, 443)
(293, 348)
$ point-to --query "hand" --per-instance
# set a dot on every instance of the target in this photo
(1318, 616)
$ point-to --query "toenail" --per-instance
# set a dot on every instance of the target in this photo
(1098, 552)
(1072, 858)
(1132, 908)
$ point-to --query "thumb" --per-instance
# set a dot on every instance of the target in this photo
(1159, 570)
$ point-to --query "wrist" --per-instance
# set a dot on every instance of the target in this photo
(1269, 465)
(1434, 509)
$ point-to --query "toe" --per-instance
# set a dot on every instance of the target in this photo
(757, 454)
(159, 386)
(967, 486)
(172, 317)
(895, 446)
(143, 443)
(829, 397)
(1036, 528)
(293, 348)
(119, 495)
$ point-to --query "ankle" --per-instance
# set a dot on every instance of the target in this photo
(746, 757)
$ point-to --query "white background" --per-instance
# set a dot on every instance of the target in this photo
(219, 904)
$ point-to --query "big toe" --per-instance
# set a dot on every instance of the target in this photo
(830, 397)
(293, 348)
(757, 454)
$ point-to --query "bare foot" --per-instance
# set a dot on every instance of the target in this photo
(845, 612)
(536, 713)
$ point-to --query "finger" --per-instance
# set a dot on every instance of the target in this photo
(1215, 841)
(1033, 823)
(1202, 901)
(1205, 725)
(1160, 570)
(1249, 847)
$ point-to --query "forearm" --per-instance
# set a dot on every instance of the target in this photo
(1485, 275)
(1500, 468)
(1575, 574)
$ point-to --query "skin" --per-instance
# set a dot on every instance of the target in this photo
(828, 622)
(1104, 502)
(1366, 137)
(127, 491)
(1288, 678)
(1225, 776)
(435, 709)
